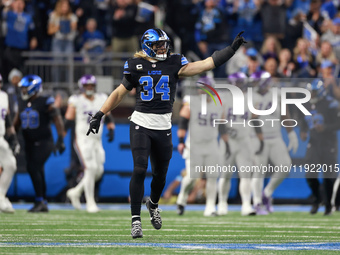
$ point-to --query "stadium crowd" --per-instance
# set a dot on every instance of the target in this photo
(290, 38)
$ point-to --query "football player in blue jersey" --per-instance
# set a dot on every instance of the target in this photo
(34, 116)
(322, 147)
(154, 73)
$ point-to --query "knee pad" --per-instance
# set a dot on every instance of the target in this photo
(141, 162)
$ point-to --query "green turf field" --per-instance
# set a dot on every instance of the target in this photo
(108, 232)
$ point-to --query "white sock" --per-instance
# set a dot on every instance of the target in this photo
(257, 186)
(186, 185)
(223, 189)
(211, 192)
(89, 182)
(245, 191)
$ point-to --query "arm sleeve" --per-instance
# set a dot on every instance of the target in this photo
(127, 79)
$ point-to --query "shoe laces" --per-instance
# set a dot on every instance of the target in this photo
(136, 227)
(155, 214)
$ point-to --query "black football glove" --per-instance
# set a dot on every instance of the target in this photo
(238, 41)
(59, 146)
(95, 123)
(227, 151)
(14, 144)
(111, 135)
(261, 148)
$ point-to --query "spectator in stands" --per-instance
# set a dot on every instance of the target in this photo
(145, 16)
(92, 39)
(20, 35)
(245, 13)
(271, 48)
(286, 65)
(124, 23)
(314, 16)
(271, 67)
(62, 25)
(333, 36)
(93, 45)
(326, 53)
(304, 60)
(273, 15)
(294, 28)
(97, 9)
(330, 83)
(13, 91)
(181, 16)
(253, 64)
(211, 32)
(124, 38)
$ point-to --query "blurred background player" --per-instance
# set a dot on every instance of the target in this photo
(34, 116)
(240, 153)
(272, 148)
(203, 146)
(7, 159)
(89, 149)
(322, 147)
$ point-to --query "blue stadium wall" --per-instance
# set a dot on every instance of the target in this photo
(119, 165)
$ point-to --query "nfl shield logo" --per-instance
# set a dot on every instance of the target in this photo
(153, 65)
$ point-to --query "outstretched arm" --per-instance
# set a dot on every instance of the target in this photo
(114, 99)
(216, 59)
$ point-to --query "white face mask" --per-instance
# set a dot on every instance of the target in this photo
(89, 92)
(161, 57)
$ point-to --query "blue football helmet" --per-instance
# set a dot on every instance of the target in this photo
(87, 79)
(156, 37)
(316, 86)
(33, 83)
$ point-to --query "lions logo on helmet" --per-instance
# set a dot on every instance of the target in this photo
(30, 85)
(155, 37)
(86, 80)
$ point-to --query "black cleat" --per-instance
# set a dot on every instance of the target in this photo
(328, 210)
(136, 229)
(39, 207)
(314, 209)
(155, 217)
(180, 209)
